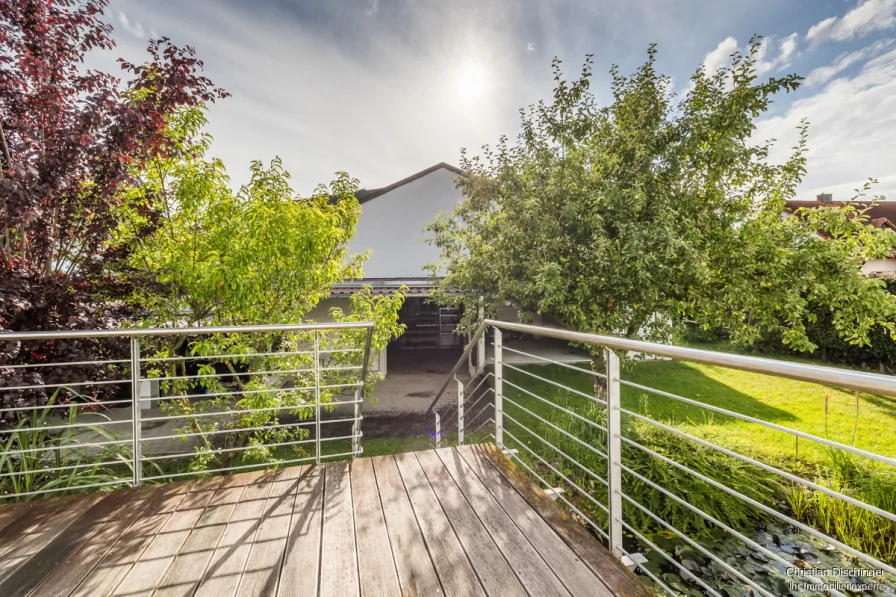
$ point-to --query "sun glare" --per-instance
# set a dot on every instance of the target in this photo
(471, 83)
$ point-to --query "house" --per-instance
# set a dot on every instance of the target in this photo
(880, 215)
(392, 226)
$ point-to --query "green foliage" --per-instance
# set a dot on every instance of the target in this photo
(33, 458)
(262, 255)
(629, 217)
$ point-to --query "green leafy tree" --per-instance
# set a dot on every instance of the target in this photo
(629, 217)
(261, 255)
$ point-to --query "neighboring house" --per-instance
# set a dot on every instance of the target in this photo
(392, 226)
(881, 215)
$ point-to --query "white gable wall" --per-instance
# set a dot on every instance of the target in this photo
(392, 225)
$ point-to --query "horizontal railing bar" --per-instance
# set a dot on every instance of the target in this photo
(553, 362)
(247, 410)
(723, 526)
(771, 469)
(668, 558)
(76, 487)
(245, 466)
(479, 385)
(64, 468)
(557, 406)
(696, 545)
(594, 525)
(241, 429)
(245, 448)
(70, 405)
(69, 384)
(557, 428)
(453, 413)
(855, 380)
(557, 472)
(243, 355)
(557, 384)
(265, 391)
(476, 416)
(238, 373)
(59, 427)
(654, 578)
(814, 438)
(66, 363)
(474, 339)
(481, 425)
(562, 453)
(189, 331)
(74, 446)
(764, 508)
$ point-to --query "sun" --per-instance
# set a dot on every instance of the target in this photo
(472, 83)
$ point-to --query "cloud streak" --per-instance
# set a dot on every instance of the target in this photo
(869, 16)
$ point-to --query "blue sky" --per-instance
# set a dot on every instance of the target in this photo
(384, 88)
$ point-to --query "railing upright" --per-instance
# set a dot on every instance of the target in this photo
(614, 452)
(499, 390)
(438, 429)
(135, 411)
(317, 397)
(460, 412)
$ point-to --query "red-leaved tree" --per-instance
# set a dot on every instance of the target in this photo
(71, 141)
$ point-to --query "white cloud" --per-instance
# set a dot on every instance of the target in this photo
(788, 47)
(373, 8)
(720, 56)
(530, 47)
(852, 127)
(134, 28)
(823, 74)
(868, 16)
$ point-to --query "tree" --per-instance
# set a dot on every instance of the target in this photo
(70, 143)
(261, 255)
(629, 217)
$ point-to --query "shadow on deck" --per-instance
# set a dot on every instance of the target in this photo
(457, 521)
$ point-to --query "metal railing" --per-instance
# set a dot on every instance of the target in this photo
(177, 402)
(597, 425)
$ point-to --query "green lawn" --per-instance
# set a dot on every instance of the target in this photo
(811, 408)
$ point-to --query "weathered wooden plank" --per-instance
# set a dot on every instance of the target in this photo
(451, 563)
(261, 576)
(40, 511)
(574, 574)
(378, 575)
(416, 573)
(618, 579)
(301, 561)
(118, 561)
(227, 563)
(495, 573)
(74, 568)
(536, 576)
(11, 512)
(153, 563)
(188, 568)
(31, 572)
(339, 560)
(37, 538)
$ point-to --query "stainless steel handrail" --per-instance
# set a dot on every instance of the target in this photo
(463, 357)
(216, 329)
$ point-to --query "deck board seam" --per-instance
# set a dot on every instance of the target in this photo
(472, 473)
(351, 493)
(379, 499)
(454, 529)
(419, 526)
(256, 525)
(292, 513)
(323, 516)
(484, 482)
(588, 564)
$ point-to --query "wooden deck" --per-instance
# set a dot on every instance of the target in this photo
(456, 521)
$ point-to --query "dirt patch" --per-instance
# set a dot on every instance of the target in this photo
(421, 395)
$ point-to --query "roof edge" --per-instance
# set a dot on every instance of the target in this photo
(374, 193)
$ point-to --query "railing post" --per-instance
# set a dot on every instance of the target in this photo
(460, 413)
(136, 426)
(356, 425)
(499, 390)
(614, 452)
(438, 429)
(359, 395)
(480, 347)
(317, 397)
